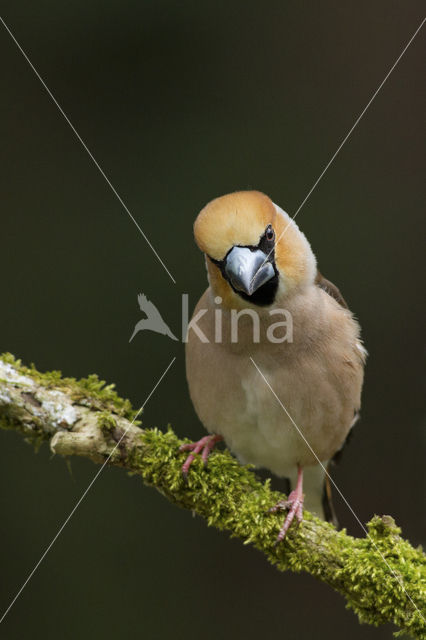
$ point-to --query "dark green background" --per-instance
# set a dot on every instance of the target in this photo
(181, 102)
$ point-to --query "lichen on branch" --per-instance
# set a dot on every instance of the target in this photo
(382, 577)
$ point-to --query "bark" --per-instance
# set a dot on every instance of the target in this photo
(382, 577)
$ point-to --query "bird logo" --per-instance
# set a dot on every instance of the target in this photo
(153, 320)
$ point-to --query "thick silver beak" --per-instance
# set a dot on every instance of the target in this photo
(247, 270)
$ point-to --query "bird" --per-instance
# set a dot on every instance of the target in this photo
(285, 404)
(153, 320)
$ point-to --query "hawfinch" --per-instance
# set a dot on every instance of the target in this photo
(274, 359)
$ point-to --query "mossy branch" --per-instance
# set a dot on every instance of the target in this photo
(87, 418)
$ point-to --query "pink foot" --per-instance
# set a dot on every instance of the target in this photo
(205, 445)
(295, 505)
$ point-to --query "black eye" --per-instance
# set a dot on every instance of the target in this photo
(270, 233)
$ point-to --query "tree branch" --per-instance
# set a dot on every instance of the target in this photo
(382, 577)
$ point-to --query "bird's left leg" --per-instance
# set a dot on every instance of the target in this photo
(205, 445)
(294, 503)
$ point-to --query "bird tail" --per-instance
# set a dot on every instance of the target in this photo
(327, 494)
(169, 333)
(327, 500)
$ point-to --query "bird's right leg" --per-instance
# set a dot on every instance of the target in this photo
(205, 445)
(293, 504)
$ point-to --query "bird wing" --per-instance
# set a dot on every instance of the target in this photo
(149, 308)
(327, 501)
(331, 289)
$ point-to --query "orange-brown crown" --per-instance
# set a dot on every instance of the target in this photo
(241, 218)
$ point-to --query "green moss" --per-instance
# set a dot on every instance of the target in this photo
(106, 423)
(373, 573)
(91, 390)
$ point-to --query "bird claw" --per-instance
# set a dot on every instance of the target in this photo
(294, 504)
(205, 446)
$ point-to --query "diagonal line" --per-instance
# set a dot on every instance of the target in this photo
(83, 495)
(345, 139)
(86, 148)
(395, 575)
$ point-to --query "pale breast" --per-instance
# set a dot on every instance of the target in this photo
(317, 385)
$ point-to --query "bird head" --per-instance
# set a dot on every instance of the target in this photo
(255, 252)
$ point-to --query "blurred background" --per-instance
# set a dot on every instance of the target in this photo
(179, 103)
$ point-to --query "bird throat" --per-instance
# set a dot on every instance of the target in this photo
(264, 295)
